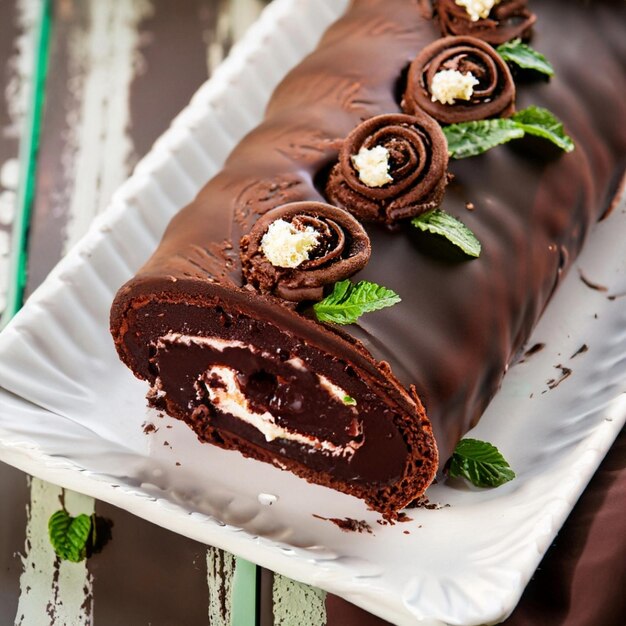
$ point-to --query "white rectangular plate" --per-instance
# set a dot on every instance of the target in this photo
(72, 414)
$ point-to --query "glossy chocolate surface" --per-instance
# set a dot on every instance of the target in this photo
(460, 322)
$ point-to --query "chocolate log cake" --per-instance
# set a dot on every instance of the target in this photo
(220, 320)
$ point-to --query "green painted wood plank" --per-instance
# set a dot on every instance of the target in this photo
(244, 594)
(28, 161)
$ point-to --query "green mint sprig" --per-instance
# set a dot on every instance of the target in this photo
(481, 463)
(71, 536)
(472, 138)
(348, 301)
(439, 222)
(349, 401)
(541, 123)
(524, 56)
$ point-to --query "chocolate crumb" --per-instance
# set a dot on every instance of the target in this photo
(166, 443)
(615, 296)
(406, 532)
(348, 524)
(149, 428)
(403, 517)
(424, 503)
(177, 464)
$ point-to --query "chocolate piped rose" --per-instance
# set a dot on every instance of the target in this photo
(297, 249)
(391, 167)
(460, 79)
(493, 21)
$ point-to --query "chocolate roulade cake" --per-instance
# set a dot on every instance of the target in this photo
(318, 205)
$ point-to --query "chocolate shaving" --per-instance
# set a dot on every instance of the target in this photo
(494, 96)
(418, 163)
(538, 347)
(566, 372)
(584, 348)
(343, 249)
(508, 20)
(591, 284)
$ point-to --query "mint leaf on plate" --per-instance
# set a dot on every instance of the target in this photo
(348, 301)
(525, 57)
(349, 401)
(540, 122)
(441, 223)
(471, 138)
(69, 535)
(481, 463)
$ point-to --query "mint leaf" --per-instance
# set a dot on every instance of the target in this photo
(349, 301)
(441, 223)
(471, 138)
(540, 122)
(525, 57)
(69, 535)
(349, 401)
(481, 463)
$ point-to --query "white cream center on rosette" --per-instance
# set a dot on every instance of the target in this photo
(477, 9)
(448, 86)
(284, 245)
(372, 164)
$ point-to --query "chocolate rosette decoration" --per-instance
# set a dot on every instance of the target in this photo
(391, 167)
(508, 19)
(297, 249)
(460, 79)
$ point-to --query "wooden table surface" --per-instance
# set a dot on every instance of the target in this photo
(119, 71)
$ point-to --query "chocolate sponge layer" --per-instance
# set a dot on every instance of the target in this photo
(460, 323)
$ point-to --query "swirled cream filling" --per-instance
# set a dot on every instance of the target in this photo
(220, 385)
(226, 394)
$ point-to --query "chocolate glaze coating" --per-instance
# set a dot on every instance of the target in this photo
(460, 323)
(494, 96)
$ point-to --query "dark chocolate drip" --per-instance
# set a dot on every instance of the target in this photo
(342, 250)
(418, 166)
(493, 96)
(507, 20)
(459, 323)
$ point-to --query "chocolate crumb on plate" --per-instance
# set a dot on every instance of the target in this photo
(347, 524)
